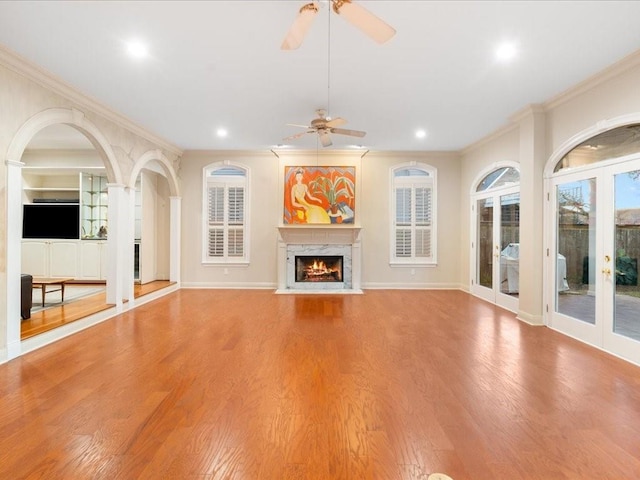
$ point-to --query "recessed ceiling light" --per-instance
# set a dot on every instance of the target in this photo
(506, 51)
(421, 133)
(222, 132)
(137, 49)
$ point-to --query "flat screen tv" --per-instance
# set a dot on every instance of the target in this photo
(51, 221)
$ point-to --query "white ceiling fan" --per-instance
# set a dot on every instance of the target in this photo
(357, 15)
(324, 127)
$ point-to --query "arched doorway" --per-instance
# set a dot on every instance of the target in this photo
(155, 224)
(495, 229)
(64, 225)
(152, 227)
(74, 119)
(594, 214)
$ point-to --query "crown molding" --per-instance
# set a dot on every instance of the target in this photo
(626, 63)
(489, 138)
(526, 112)
(33, 72)
(289, 153)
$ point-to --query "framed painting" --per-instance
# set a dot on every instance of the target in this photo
(319, 195)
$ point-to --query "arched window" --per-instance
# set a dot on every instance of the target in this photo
(500, 177)
(413, 200)
(225, 204)
(614, 143)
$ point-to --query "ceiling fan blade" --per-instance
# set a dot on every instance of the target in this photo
(297, 125)
(325, 139)
(298, 135)
(300, 26)
(363, 19)
(336, 122)
(351, 133)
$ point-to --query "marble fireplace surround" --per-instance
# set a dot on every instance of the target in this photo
(319, 240)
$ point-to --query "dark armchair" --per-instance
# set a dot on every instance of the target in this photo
(26, 296)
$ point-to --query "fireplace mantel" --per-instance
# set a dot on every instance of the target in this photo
(319, 234)
(322, 236)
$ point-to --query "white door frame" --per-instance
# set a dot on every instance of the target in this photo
(601, 334)
(493, 295)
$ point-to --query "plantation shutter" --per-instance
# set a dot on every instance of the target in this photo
(226, 221)
(423, 222)
(216, 221)
(235, 240)
(403, 222)
(412, 240)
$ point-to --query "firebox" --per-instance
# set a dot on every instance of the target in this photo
(315, 268)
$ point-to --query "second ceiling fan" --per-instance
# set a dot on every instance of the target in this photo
(355, 14)
(324, 127)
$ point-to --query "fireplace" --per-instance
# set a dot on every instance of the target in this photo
(335, 251)
(319, 268)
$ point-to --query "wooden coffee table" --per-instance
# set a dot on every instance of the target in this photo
(43, 283)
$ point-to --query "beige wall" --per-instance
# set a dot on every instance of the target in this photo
(502, 148)
(265, 212)
(612, 94)
(617, 95)
(372, 214)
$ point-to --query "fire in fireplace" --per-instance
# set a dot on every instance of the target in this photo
(318, 268)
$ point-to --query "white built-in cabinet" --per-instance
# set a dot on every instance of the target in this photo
(93, 260)
(78, 259)
(84, 258)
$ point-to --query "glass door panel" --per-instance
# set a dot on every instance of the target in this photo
(484, 259)
(575, 279)
(626, 304)
(509, 243)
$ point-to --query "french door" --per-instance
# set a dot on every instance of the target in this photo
(495, 247)
(593, 291)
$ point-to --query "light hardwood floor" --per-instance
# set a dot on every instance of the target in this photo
(231, 384)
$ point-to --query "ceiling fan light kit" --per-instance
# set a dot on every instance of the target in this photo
(324, 127)
(300, 26)
(363, 19)
(355, 14)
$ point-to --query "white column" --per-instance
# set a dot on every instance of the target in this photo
(127, 267)
(174, 239)
(116, 243)
(14, 257)
(356, 262)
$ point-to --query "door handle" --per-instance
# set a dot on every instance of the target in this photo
(606, 271)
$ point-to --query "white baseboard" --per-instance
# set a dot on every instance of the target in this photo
(231, 285)
(411, 286)
(535, 320)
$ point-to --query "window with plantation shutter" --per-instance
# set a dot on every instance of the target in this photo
(225, 231)
(413, 199)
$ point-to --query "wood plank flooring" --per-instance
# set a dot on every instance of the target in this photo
(54, 317)
(231, 384)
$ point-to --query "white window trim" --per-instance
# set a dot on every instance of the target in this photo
(225, 261)
(433, 181)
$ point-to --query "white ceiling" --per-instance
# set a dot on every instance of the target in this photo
(219, 64)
